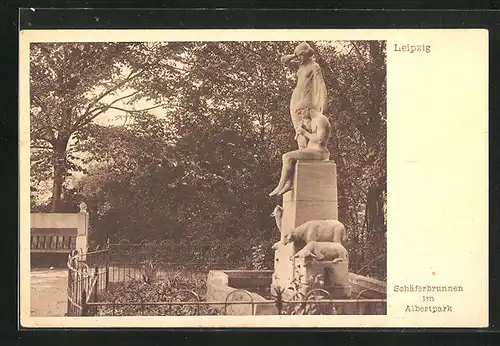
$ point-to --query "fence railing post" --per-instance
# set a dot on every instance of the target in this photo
(279, 299)
(96, 286)
(107, 265)
(70, 286)
(85, 307)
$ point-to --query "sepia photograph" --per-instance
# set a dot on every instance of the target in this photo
(208, 178)
(253, 178)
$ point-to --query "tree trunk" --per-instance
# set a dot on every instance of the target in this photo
(59, 170)
(375, 209)
(56, 192)
(376, 92)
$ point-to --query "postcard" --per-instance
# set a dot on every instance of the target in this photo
(253, 178)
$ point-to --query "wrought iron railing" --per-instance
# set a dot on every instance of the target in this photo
(93, 272)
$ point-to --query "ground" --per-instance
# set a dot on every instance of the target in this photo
(49, 292)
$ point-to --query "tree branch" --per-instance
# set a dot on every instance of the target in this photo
(40, 147)
(101, 110)
(131, 111)
(34, 162)
(134, 110)
(117, 86)
(38, 134)
(358, 53)
(104, 94)
(172, 68)
(240, 44)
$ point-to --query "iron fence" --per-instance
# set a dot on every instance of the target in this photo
(87, 279)
(312, 304)
(94, 273)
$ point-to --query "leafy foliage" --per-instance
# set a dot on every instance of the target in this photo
(131, 293)
(140, 298)
(196, 169)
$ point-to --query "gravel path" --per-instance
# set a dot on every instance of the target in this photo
(49, 292)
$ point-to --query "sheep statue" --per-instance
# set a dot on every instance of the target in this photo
(324, 251)
(316, 240)
(313, 230)
(316, 230)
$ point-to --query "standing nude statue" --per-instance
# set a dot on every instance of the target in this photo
(310, 91)
(306, 108)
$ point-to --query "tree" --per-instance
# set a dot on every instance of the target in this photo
(73, 84)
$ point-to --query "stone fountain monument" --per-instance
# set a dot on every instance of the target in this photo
(308, 183)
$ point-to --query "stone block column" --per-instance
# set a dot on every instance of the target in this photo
(82, 232)
(335, 276)
(314, 197)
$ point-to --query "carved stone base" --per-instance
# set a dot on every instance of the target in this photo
(314, 197)
(335, 277)
(283, 266)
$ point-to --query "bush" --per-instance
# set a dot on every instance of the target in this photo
(133, 294)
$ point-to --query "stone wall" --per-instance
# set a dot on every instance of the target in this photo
(219, 289)
(51, 227)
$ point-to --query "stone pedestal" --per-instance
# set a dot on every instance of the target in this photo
(314, 194)
(314, 197)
